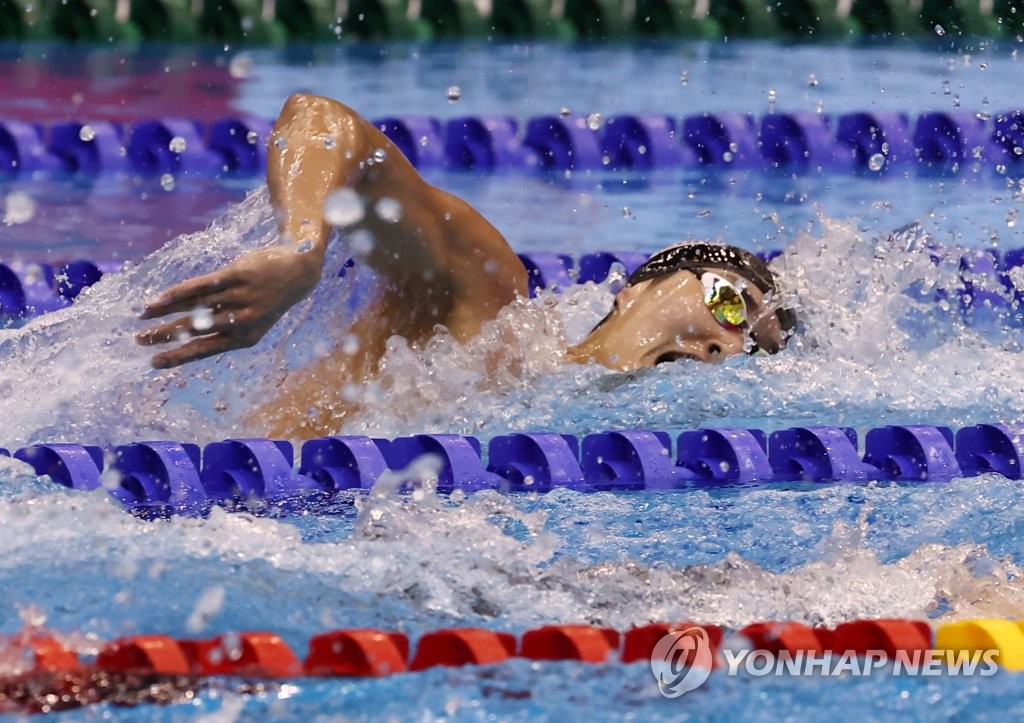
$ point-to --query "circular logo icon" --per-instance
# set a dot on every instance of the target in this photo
(681, 661)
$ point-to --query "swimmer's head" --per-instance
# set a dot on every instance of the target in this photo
(691, 301)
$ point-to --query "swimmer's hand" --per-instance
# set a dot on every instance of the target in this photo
(238, 304)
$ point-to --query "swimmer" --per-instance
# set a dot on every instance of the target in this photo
(441, 265)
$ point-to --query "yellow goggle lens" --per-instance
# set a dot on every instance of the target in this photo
(723, 301)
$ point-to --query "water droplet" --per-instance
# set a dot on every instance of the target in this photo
(19, 207)
(380, 155)
(329, 142)
(1011, 218)
(201, 318)
(1018, 151)
(232, 645)
(454, 93)
(209, 604)
(939, 30)
(305, 246)
(361, 242)
(240, 66)
(626, 213)
(167, 182)
(704, 213)
(389, 210)
(86, 133)
(876, 162)
(33, 274)
(684, 78)
(344, 207)
(595, 121)
(727, 157)
(350, 345)
(812, 80)
(457, 495)
(32, 615)
(564, 111)
(280, 143)
(177, 144)
(1001, 169)
(111, 479)
(252, 137)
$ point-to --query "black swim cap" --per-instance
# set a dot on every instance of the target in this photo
(698, 255)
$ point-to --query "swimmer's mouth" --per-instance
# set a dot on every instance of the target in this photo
(673, 356)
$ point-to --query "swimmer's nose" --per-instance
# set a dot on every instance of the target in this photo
(707, 352)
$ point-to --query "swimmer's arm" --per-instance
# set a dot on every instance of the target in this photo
(316, 147)
(248, 296)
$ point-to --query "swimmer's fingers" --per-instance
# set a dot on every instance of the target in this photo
(171, 331)
(189, 294)
(225, 321)
(204, 346)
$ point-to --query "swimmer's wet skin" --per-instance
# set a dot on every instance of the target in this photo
(441, 263)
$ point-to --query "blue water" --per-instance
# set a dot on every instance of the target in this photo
(566, 691)
(119, 219)
(870, 354)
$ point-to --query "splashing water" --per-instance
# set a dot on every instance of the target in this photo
(876, 332)
(77, 374)
(19, 208)
(872, 343)
(510, 562)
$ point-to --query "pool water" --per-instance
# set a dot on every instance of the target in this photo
(876, 348)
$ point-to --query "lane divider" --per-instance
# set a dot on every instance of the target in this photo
(143, 660)
(992, 282)
(863, 143)
(30, 289)
(161, 478)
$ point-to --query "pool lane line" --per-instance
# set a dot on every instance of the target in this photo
(160, 479)
(159, 668)
(865, 143)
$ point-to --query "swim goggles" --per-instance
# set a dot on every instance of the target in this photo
(724, 301)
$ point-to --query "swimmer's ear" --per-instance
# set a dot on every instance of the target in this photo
(628, 294)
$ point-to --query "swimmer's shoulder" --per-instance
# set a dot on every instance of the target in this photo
(317, 114)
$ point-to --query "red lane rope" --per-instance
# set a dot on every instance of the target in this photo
(157, 668)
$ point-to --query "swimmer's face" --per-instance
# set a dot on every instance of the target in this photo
(667, 319)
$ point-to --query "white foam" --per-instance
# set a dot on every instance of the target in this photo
(868, 354)
(487, 559)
